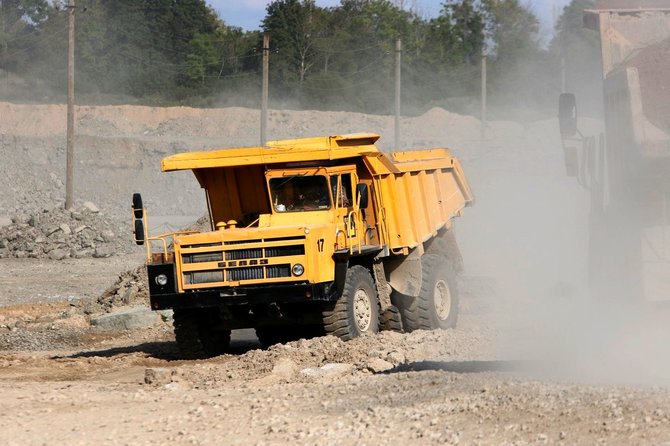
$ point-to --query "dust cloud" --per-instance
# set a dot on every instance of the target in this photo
(530, 230)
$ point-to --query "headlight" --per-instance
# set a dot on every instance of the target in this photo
(298, 269)
(161, 279)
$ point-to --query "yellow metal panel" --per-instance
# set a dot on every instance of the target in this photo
(419, 202)
(235, 192)
(284, 151)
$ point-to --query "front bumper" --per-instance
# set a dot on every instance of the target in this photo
(167, 297)
(245, 296)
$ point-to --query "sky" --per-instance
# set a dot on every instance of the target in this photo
(247, 14)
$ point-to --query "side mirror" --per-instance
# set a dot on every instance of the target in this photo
(138, 219)
(362, 195)
(567, 114)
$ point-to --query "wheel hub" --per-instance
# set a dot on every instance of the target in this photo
(442, 300)
(362, 310)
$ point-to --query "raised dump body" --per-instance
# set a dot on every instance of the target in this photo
(629, 171)
(314, 235)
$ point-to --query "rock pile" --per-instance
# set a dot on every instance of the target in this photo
(58, 233)
(131, 288)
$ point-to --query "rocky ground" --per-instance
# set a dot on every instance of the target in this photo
(82, 360)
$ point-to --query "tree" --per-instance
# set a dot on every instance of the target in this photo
(293, 26)
(18, 24)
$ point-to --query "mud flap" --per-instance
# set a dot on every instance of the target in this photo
(404, 272)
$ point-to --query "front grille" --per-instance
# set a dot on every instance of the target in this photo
(281, 251)
(278, 271)
(252, 273)
(240, 254)
(240, 242)
(236, 263)
(194, 277)
(202, 257)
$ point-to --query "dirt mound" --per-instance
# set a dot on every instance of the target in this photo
(131, 288)
(58, 233)
(326, 357)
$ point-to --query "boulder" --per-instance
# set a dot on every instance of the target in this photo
(127, 319)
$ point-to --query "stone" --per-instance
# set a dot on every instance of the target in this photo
(91, 207)
(166, 315)
(128, 319)
(377, 365)
(285, 368)
(396, 357)
(5, 221)
(57, 254)
(65, 228)
(20, 218)
(330, 370)
(103, 251)
(158, 375)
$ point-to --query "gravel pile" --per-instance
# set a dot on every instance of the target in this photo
(57, 234)
(131, 288)
(326, 357)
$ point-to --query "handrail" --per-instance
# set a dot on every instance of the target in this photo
(162, 238)
(351, 228)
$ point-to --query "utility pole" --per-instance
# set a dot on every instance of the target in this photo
(264, 94)
(398, 57)
(69, 168)
(562, 74)
(483, 93)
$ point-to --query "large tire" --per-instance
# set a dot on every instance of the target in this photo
(390, 320)
(196, 336)
(356, 312)
(436, 306)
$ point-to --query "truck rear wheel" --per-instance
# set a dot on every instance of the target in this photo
(357, 311)
(196, 336)
(436, 306)
(389, 320)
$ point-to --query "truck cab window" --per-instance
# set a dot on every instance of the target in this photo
(299, 193)
(340, 186)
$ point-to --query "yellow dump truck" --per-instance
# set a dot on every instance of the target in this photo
(310, 236)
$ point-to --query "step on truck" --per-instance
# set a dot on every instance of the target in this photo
(310, 236)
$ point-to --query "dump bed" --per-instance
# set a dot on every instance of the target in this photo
(420, 192)
(416, 193)
(635, 43)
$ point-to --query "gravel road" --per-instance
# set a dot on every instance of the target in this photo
(532, 360)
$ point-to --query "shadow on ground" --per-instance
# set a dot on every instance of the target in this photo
(463, 366)
(164, 350)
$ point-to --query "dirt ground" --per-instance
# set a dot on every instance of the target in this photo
(523, 366)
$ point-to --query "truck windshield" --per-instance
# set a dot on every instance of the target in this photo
(299, 193)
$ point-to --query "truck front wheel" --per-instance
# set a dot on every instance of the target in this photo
(357, 310)
(436, 306)
(196, 334)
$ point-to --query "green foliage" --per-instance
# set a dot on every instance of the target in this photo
(341, 57)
